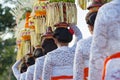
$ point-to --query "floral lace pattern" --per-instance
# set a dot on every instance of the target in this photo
(106, 37)
(113, 70)
(81, 58)
(22, 76)
(60, 61)
(29, 73)
(62, 56)
(38, 68)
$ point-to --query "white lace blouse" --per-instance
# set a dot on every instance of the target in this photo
(113, 69)
(106, 37)
(15, 69)
(30, 72)
(58, 62)
(22, 76)
(81, 60)
(38, 68)
(40, 61)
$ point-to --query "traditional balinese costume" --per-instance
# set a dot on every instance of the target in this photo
(59, 62)
(81, 61)
(82, 53)
(106, 37)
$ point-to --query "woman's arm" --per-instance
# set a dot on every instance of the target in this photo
(77, 32)
(15, 69)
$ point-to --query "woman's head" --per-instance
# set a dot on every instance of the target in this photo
(38, 52)
(62, 35)
(90, 20)
(30, 60)
(23, 67)
(48, 45)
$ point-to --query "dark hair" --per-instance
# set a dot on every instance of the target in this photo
(23, 67)
(30, 60)
(38, 52)
(90, 18)
(48, 45)
(62, 35)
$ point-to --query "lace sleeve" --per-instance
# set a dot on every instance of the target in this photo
(78, 64)
(47, 68)
(15, 69)
(77, 33)
(38, 68)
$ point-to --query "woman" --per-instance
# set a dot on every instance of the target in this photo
(48, 45)
(25, 62)
(59, 61)
(30, 71)
(106, 38)
(82, 52)
(15, 69)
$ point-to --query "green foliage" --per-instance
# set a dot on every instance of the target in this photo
(6, 19)
(7, 58)
(7, 47)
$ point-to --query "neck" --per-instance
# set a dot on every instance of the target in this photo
(60, 44)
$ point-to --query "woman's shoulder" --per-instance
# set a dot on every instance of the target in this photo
(40, 59)
(31, 67)
(22, 76)
(85, 41)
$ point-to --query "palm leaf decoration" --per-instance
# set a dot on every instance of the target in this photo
(83, 3)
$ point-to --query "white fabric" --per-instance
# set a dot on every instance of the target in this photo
(106, 37)
(62, 56)
(81, 60)
(15, 69)
(38, 68)
(62, 70)
(30, 72)
(78, 36)
(113, 69)
(77, 33)
(22, 76)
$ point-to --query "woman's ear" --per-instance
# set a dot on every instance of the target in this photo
(91, 29)
(56, 41)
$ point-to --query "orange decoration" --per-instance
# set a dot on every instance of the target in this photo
(26, 25)
(116, 55)
(27, 19)
(86, 73)
(40, 13)
(25, 35)
(61, 77)
(18, 42)
(32, 27)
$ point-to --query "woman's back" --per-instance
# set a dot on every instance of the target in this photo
(62, 56)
